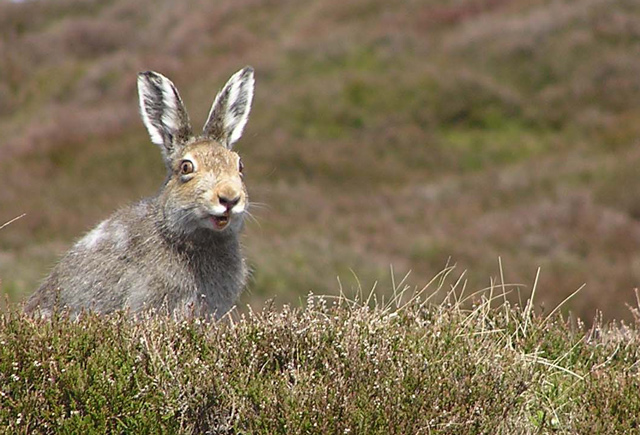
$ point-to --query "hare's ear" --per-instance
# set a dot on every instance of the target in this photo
(163, 112)
(230, 109)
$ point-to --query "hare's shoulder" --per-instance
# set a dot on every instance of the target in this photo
(122, 231)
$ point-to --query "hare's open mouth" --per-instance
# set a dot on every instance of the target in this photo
(220, 222)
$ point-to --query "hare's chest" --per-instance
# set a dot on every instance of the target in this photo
(218, 281)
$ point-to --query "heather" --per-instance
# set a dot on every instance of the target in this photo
(337, 365)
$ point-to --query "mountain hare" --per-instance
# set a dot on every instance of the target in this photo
(178, 251)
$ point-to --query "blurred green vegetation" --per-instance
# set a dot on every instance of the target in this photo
(382, 134)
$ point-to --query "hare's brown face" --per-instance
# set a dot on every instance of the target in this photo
(206, 186)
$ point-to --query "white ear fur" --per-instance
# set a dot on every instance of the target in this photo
(154, 130)
(230, 109)
(162, 111)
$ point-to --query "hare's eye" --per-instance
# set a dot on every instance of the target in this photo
(186, 167)
(240, 166)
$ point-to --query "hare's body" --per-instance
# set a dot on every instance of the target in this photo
(131, 261)
(178, 251)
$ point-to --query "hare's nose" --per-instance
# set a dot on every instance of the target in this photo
(228, 202)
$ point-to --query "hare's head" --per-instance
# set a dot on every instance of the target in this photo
(204, 187)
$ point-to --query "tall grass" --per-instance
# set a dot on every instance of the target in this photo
(471, 364)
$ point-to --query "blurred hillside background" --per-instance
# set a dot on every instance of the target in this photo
(383, 133)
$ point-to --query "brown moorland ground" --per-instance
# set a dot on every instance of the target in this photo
(406, 133)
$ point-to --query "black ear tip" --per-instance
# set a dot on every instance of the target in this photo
(147, 74)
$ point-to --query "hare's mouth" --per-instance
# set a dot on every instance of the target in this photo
(220, 222)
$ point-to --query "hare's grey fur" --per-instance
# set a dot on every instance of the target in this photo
(178, 251)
